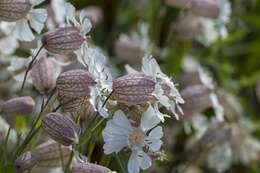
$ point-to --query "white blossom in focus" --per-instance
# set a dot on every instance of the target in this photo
(119, 134)
(165, 90)
(96, 63)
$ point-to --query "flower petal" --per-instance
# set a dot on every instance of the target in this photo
(149, 119)
(38, 17)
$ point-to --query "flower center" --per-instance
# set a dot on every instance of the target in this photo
(136, 137)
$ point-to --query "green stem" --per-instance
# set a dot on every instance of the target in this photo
(120, 164)
(69, 162)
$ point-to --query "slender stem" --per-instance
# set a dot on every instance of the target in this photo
(33, 131)
(69, 162)
(120, 163)
(30, 66)
(61, 158)
(107, 98)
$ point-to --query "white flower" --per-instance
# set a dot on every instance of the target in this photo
(84, 23)
(119, 133)
(35, 18)
(59, 9)
(96, 63)
(165, 90)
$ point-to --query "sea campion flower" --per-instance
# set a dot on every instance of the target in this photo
(69, 38)
(165, 90)
(61, 128)
(119, 133)
(22, 15)
(133, 89)
(96, 63)
(73, 88)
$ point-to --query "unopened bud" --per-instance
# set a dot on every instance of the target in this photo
(73, 87)
(61, 128)
(13, 10)
(187, 26)
(197, 99)
(43, 75)
(89, 168)
(63, 41)
(26, 161)
(133, 89)
(52, 154)
(95, 14)
(18, 106)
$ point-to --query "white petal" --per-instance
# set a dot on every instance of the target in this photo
(8, 44)
(133, 163)
(38, 17)
(138, 160)
(150, 66)
(116, 133)
(146, 160)
(59, 10)
(70, 14)
(85, 22)
(36, 2)
(153, 139)
(22, 31)
(149, 119)
(130, 70)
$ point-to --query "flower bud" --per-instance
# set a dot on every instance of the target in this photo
(95, 14)
(61, 128)
(26, 161)
(18, 106)
(187, 26)
(197, 99)
(73, 88)
(63, 40)
(206, 8)
(12, 10)
(133, 89)
(89, 168)
(49, 154)
(43, 76)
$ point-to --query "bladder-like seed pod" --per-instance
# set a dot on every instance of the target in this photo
(89, 168)
(43, 75)
(133, 89)
(206, 8)
(18, 106)
(61, 128)
(73, 88)
(63, 40)
(12, 10)
(197, 99)
(52, 154)
(26, 161)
